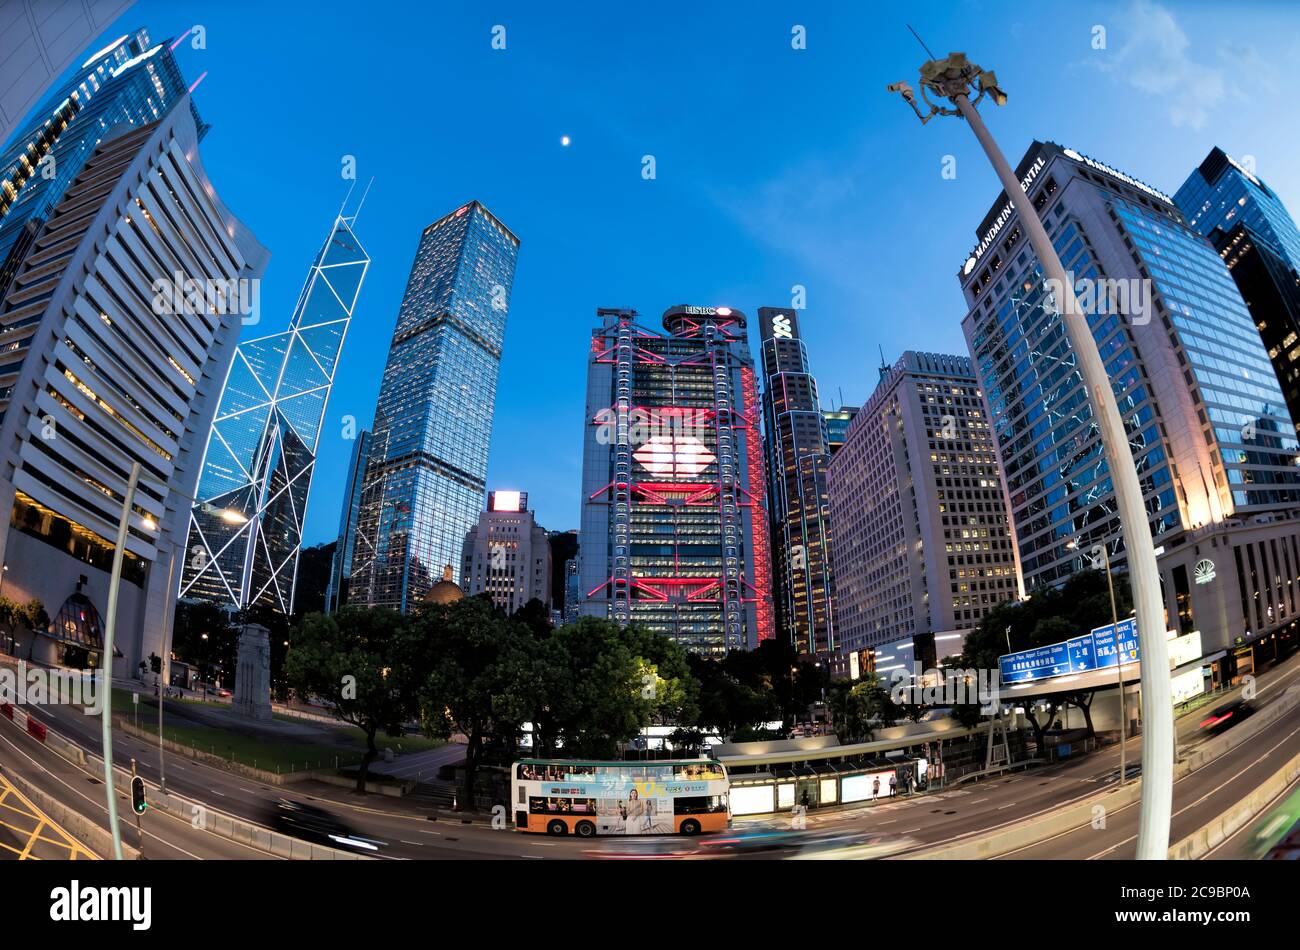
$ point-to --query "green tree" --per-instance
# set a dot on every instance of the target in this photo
(366, 663)
(599, 692)
(204, 635)
(482, 681)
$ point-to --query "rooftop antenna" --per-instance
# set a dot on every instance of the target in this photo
(356, 214)
(346, 197)
(922, 42)
(884, 367)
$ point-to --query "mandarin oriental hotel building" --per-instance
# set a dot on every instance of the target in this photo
(1206, 420)
(674, 520)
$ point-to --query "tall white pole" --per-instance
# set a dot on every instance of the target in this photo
(1119, 665)
(1144, 575)
(110, 625)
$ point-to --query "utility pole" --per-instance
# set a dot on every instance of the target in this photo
(955, 79)
(110, 626)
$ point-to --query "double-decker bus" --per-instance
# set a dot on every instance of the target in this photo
(559, 797)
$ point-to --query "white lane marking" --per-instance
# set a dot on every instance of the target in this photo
(1008, 805)
(101, 807)
(1226, 782)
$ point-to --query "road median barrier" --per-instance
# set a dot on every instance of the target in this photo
(1037, 828)
(199, 816)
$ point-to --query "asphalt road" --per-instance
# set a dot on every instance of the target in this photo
(1254, 838)
(412, 831)
(164, 836)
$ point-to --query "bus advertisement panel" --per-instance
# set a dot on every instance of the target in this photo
(619, 798)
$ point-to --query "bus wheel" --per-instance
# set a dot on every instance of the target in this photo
(690, 827)
(557, 827)
(585, 829)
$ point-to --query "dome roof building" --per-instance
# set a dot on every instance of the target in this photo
(446, 591)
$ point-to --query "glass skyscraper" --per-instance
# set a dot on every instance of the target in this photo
(795, 438)
(1203, 411)
(1259, 241)
(336, 594)
(675, 533)
(426, 476)
(246, 528)
(131, 82)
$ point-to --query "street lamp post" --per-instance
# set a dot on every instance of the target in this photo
(1119, 662)
(110, 626)
(956, 79)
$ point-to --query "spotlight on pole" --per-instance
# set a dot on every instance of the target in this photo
(954, 86)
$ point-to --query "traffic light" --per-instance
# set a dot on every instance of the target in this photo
(137, 796)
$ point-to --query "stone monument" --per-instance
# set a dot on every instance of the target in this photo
(253, 673)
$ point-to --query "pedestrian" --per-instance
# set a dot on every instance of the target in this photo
(875, 788)
(803, 800)
(893, 785)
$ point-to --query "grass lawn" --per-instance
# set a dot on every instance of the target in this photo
(344, 743)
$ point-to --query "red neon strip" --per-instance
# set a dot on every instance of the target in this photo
(758, 525)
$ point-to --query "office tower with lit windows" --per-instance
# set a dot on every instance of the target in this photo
(923, 545)
(1213, 445)
(426, 477)
(246, 525)
(674, 531)
(1258, 240)
(42, 41)
(507, 555)
(96, 376)
(794, 436)
(133, 81)
(837, 426)
(336, 593)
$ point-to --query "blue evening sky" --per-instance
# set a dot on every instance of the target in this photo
(775, 166)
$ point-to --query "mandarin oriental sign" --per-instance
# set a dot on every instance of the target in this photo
(1003, 217)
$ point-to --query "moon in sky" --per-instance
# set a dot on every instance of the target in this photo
(565, 140)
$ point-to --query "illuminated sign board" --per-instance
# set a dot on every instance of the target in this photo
(674, 455)
(507, 501)
(1092, 651)
(781, 327)
(1116, 173)
(1003, 217)
(859, 788)
(1101, 649)
(1204, 571)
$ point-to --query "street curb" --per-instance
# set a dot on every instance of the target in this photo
(1033, 830)
(80, 826)
(201, 817)
(1213, 833)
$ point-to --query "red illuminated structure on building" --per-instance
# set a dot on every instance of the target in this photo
(674, 518)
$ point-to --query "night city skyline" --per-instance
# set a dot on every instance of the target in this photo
(604, 432)
(802, 189)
